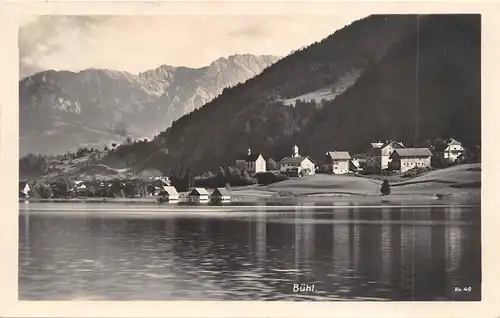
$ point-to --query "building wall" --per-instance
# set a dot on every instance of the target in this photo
(260, 165)
(240, 164)
(340, 166)
(250, 167)
(405, 164)
(308, 164)
(284, 167)
(453, 151)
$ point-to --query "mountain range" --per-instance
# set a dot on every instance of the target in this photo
(60, 111)
(404, 77)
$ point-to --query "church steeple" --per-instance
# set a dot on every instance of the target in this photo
(249, 151)
(295, 151)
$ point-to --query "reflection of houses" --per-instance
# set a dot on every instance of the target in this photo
(252, 163)
(409, 158)
(338, 162)
(198, 195)
(453, 150)
(296, 165)
(220, 195)
(377, 156)
(169, 194)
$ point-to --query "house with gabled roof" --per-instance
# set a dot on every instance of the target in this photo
(409, 158)
(252, 162)
(24, 189)
(220, 195)
(198, 195)
(169, 194)
(338, 162)
(453, 150)
(296, 165)
(378, 154)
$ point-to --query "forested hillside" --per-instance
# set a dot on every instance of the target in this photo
(369, 66)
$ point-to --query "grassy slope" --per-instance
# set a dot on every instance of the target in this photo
(456, 181)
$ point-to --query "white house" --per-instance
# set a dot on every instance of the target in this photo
(252, 163)
(169, 193)
(24, 190)
(199, 195)
(338, 162)
(296, 164)
(220, 195)
(453, 150)
(409, 158)
(379, 153)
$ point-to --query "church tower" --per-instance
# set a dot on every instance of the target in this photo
(295, 151)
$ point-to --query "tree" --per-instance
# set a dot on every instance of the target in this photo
(44, 190)
(305, 172)
(385, 189)
(271, 164)
(221, 177)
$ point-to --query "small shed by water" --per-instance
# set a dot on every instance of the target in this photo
(169, 193)
(220, 195)
(198, 195)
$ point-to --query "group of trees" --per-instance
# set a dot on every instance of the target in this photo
(229, 176)
(33, 165)
(62, 188)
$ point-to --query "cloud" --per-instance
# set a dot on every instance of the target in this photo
(138, 43)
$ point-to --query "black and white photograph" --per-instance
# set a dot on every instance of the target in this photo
(250, 157)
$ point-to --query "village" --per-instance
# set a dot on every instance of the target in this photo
(388, 160)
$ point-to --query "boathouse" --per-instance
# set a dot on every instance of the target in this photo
(220, 195)
(198, 195)
(169, 194)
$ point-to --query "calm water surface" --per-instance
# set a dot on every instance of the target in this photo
(141, 252)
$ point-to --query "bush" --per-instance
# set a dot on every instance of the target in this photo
(305, 172)
(439, 162)
(271, 164)
(44, 191)
(266, 178)
(385, 189)
(415, 172)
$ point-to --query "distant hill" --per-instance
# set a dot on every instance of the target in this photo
(381, 105)
(61, 111)
(353, 87)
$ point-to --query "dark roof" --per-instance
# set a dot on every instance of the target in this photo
(454, 142)
(339, 155)
(383, 144)
(295, 159)
(222, 191)
(250, 158)
(413, 152)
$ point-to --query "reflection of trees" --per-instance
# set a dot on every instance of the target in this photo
(438, 279)
(421, 252)
(386, 240)
(370, 251)
(396, 282)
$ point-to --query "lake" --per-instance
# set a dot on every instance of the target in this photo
(102, 251)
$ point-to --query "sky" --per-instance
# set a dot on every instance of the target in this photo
(139, 43)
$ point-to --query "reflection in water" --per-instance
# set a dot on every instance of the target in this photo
(347, 252)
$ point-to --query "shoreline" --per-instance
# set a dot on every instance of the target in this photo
(323, 198)
(458, 184)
